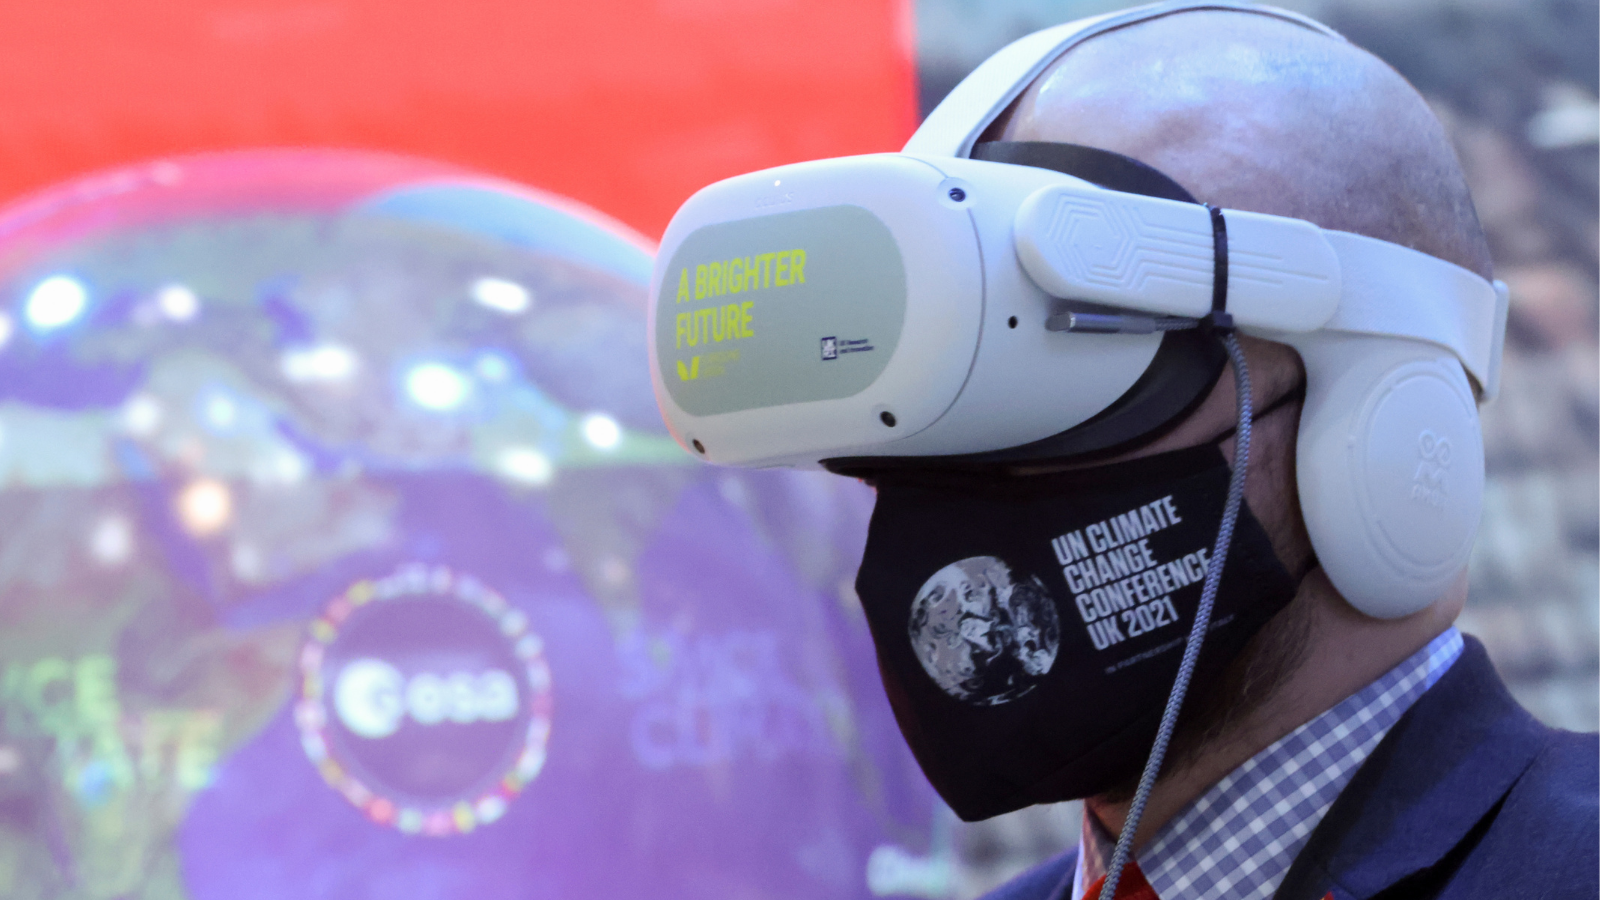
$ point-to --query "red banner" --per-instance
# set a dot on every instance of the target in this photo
(629, 105)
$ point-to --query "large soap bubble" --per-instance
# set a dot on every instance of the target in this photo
(342, 554)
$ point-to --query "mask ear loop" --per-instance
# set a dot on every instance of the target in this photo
(1221, 324)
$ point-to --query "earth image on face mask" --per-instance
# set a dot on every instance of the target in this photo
(982, 634)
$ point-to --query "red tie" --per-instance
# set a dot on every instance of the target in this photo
(1131, 886)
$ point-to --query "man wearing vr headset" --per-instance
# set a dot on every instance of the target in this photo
(1162, 343)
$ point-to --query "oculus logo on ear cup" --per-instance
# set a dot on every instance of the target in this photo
(1428, 485)
(1419, 448)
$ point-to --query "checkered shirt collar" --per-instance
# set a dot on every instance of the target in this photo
(1238, 839)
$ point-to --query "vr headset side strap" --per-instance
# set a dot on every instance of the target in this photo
(1388, 289)
(1285, 276)
(1079, 242)
(958, 121)
(1502, 308)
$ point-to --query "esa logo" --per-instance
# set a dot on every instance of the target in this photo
(1427, 484)
(373, 699)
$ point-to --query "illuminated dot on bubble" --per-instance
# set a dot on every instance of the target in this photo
(527, 466)
(221, 412)
(283, 466)
(436, 386)
(492, 368)
(141, 415)
(601, 431)
(288, 468)
(205, 507)
(111, 540)
(56, 301)
(327, 362)
(177, 302)
(246, 561)
(501, 295)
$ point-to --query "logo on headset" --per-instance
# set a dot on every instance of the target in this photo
(833, 347)
(1427, 484)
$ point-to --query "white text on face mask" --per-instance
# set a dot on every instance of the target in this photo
(1110, 569)
(1117, 530)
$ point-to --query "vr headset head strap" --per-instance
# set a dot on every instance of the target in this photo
(956, 123)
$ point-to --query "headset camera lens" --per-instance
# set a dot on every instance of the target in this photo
(888, 417)
(957, 194)
(698, 447)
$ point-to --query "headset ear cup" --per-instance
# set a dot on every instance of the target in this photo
(1390, 468)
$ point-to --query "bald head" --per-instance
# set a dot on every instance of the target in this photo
(1255, 113)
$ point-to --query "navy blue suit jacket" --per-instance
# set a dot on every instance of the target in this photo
(1468, 796)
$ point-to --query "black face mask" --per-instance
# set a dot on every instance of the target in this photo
(1029, 630)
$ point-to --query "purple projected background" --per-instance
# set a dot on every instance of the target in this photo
(344, 556)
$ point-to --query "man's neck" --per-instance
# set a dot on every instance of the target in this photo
(1346, 651)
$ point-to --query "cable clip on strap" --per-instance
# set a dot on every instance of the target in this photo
(1218, 321)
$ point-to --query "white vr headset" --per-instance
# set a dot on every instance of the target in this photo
(971, 304)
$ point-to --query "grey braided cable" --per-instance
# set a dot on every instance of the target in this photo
(1202, 619)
